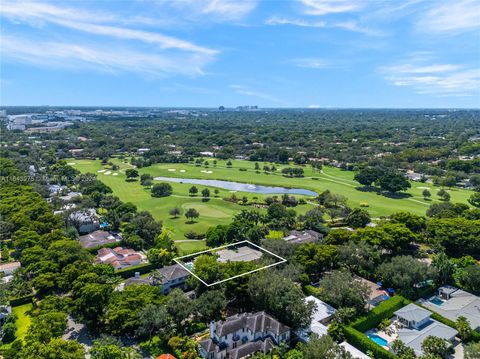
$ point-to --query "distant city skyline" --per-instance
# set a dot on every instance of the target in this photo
(210, 53)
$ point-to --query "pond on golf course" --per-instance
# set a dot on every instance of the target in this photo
(241, 187)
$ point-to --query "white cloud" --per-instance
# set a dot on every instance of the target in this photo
(140, 51)
(438, 79)
(71, 19)
(451, 17)
(229, 9)
(110, 60)
(276, 20)
(219, 10)
(325, 7)
(311, 63)
(350, 25)
(243, 90)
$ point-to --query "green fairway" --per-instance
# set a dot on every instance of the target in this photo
(212, 212)
(190, 246)
(217, 211)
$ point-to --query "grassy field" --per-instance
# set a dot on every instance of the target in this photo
(218, 211)
(23, 321)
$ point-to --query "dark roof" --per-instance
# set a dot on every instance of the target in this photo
(242, 350)
(251, 348)
(256, 322)
(173, 272)
(138, 281)
(208, 345)
(307, 236)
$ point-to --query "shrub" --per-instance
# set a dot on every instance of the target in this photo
(384, 310)
(194, 235)
(130, 272)
(365, 344)
(9, 330)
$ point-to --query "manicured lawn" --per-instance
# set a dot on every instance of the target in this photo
(190, 246)
(217, 211)
(23, 321)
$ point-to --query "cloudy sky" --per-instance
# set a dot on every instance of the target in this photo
(206, 53)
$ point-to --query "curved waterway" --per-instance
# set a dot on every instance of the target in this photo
(241, 187)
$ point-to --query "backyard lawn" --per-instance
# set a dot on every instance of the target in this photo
(217, 211)
(23, 321)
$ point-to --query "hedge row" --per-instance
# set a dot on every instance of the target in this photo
(130, 272)
(365, 344)
(95, 249)
(14, 302)
(311, 290)
(380, 312)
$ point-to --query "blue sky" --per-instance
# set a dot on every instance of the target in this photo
(206, 53)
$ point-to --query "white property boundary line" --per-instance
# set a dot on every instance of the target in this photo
(179, 262)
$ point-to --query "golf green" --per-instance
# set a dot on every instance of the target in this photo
(218, 211)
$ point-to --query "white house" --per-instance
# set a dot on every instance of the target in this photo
(416, 326)
(242, 335)
(452, 303)
(322, 314)
(86, 221)
(9, 268)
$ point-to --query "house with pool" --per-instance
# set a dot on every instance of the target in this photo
(412, 324)
(451, 303)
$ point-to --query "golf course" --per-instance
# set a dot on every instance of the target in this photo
(218, 211)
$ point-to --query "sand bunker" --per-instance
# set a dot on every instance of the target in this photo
(100, 171)
(107, 173)
(115, 174)
(172, 169)
(183, 171)
(71, 163)
(206, 171)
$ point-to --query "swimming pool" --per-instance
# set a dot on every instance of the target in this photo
(379, 340)
(436, 301)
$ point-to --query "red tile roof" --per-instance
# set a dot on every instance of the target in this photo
(166, 356)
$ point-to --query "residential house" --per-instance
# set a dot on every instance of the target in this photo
(242, 335)
(322, 315)
(414, 176)
(168, 278)
(300, 237)
(416, 325)
(86, 221)
(354, 352)
(55, 189)
(70, 195)
(9, 268)
(120, 257)
(5, 311)
(99, 238)
(451, 303)
(376, 293)
(174, 276)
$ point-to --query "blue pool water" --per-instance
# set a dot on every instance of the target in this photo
(378, 340)
(436, 301)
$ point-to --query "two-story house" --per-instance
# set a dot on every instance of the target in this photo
(416, 325)
(242, 335)
(168, 278)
